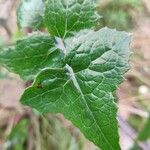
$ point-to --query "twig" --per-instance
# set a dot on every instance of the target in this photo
(147, 4)
(30, 140)
(35, 123)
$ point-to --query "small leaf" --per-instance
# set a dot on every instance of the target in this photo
(83, 89)
(32, 54)
(30, 14)
(63, 17)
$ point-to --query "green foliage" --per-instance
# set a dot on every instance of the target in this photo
(118, 13)
(1, 42)
(135, 122)
(143, 129)
(17, 35)
(83, 86)
(30, 14)
(31, 55)
(145, 132)
(18, 135)
(62, 17)
(53, 133)
(75, 74)
(135, 147)
(3, 73)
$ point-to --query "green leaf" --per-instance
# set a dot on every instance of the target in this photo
(63, 17)
(145, 132)
(32, 54)
(30, 14)
(83, 89)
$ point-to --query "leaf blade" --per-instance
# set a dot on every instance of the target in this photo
(32, 54)
(30, 14)
(92, 73)
(66, 16)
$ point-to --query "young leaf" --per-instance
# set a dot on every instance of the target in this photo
(30, 14)
(62, 17)
(83, 89)
(31, 55)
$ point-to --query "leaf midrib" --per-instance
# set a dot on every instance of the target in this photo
(79, 89)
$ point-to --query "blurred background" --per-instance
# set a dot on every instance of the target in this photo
(24, 129)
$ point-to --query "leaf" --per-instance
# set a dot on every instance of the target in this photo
(32, 54)
(145, 132)
(83, 89)
(63, 17)
(30, 14)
